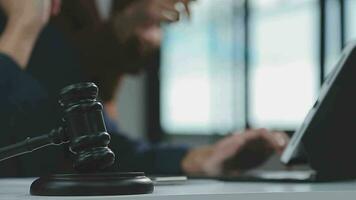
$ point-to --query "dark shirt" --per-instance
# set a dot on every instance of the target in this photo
(28, 107)
(29, 101)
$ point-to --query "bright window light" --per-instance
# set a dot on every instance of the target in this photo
(333, 35)
(350, 20)
(283, 76)
(202, 77)
(198, 71)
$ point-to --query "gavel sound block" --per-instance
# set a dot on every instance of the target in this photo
(84, 129)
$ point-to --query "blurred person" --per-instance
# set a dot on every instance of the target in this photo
(124, 44)
(30, 106)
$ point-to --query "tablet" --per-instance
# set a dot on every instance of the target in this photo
(328, 133)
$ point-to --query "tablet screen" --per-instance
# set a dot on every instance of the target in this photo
(320, 113)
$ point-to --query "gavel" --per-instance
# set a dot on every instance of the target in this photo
(83, 128)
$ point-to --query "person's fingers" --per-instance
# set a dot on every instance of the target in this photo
(169, 16)
(239, 151)
(272, 141)
(186, 4)
(168, 12)
(165, 10)
(239, 140)
(253, 134)
(224, 150)
(276, 140)
(161, 11)
(187, 8)
(253, 151)
(229, 145)
(282, 139)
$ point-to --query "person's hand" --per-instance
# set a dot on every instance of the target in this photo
(33, 14)
(156, 11)
(142, 20)
(235, 154)
(25, 20)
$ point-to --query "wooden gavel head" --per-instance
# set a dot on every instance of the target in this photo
(84, 123)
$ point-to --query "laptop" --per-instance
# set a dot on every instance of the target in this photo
(328, 134)
(327, 137)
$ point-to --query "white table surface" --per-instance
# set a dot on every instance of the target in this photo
(18, 189)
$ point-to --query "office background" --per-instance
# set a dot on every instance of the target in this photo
(237, 64)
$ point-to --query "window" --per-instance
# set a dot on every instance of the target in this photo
(284, 76)
(333, 32)
(256, 63)
(199, 69)
(350, 6)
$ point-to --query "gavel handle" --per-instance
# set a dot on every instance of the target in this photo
(55, 137)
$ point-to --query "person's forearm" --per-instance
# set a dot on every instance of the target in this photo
(18, 40)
